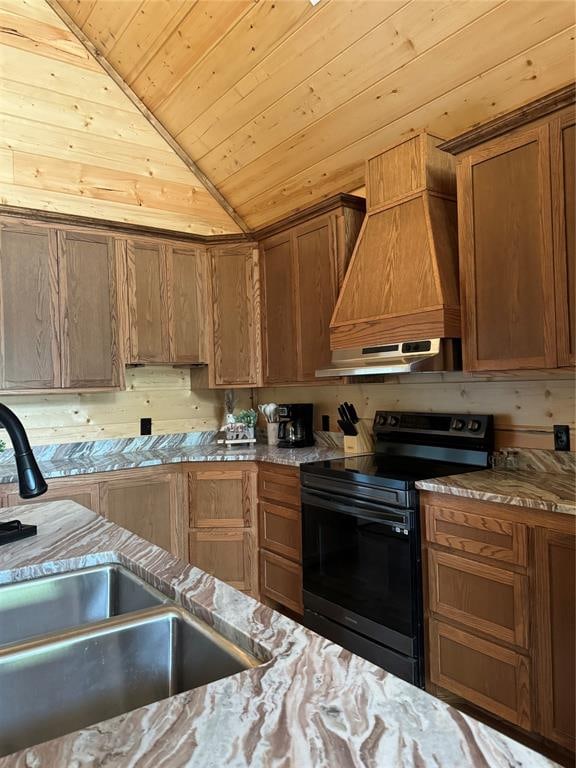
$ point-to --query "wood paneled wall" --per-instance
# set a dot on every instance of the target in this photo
(525, 409)
(72, 142)
(161, 393)
(280, 103)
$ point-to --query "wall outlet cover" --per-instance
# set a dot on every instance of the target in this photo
(145, 426)
(561, 437)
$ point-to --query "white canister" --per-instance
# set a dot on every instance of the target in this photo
(272, 430)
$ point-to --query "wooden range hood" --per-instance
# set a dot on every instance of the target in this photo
(402, 281)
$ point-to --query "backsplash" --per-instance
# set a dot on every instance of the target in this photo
(162, 393)
(525, 405)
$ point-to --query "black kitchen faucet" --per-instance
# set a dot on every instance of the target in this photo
(30, 478)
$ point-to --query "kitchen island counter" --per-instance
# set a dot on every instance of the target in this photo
(313, 705)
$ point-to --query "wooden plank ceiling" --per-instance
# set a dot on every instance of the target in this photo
(71, 141)
(279, 102)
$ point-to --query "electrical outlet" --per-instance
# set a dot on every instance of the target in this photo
(561, 437)
(325, 423)
(145, 426)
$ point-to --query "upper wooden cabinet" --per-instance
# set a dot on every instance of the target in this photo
(166, 302)
(234, 335)
(303, 265)
(279, 317)
(59, 309)
(89, 311)
(29, 319)
(516, 228)
(563, 164)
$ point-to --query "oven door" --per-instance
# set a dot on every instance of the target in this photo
(361, 564)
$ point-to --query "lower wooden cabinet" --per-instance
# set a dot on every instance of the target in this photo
(85, 493)
(215, 515)
(281, 580)
(555, 596)
(500, 605)
(229, 555)
(146, 502)
(222, 537)
(280, 532)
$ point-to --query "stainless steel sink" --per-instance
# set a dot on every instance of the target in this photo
(54, 685)
(53, 603)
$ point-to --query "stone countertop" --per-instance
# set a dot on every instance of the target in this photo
(107, 461)
(313, 705)
(551, 491)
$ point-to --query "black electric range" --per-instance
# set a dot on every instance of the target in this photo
(361, 533)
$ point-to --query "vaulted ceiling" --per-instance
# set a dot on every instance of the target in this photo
(279, 102)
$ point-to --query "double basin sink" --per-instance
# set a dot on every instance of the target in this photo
(81, 647)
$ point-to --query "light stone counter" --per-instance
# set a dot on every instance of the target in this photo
(71, 459)
(550, 491)
(314, 705)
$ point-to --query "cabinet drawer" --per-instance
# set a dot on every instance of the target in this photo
(281, 580)
(492, 677)
(280, 484)
(488, 599)
(476, 534)
(280, 530)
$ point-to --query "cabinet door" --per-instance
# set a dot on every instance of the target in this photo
(235, 309)
(29, 325)
(280, 357)
(84, 493)
(227, 554)
(147, 503)
(555, 617)
(89, 311)
(506, 254)
(147, 302)
(316, 278)
(563, 155)
(186, 278)
(495, 678)
(223, 498)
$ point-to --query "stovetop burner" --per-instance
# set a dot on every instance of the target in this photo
(389, 471)
(415, 446)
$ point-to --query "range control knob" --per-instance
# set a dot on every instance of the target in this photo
(393, 421)
(474, 425)
(458, 424)
(381, 419)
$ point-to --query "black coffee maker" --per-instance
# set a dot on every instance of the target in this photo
(296, 427)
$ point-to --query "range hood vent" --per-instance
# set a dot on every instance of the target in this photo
(402, 281)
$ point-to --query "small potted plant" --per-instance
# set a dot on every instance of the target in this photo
(243, 428)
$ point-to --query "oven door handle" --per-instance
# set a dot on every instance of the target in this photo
(384, 514)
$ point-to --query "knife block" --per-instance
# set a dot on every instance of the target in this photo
(363, 442)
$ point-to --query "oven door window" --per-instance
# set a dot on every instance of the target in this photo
(360, 564)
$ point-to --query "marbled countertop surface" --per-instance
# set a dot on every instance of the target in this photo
(552, 491)
(312, 705)
(108, 455)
